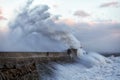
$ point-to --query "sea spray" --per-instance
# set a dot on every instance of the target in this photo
(37, 20)
(32, 29)
(33, 26)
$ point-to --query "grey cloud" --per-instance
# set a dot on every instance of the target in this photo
(81, 13)
(110, 4)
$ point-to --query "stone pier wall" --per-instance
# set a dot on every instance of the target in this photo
(22, 65)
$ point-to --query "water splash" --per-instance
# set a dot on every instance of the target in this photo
(34, 30)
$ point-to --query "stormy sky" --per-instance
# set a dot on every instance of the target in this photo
(95, 23)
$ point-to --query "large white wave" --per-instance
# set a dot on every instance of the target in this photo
(33, 29)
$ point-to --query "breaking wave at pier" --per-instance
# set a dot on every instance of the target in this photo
(34, 30)
(38, 22)
(31, 27)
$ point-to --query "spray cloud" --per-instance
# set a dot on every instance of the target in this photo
(38, 20)
(34, 30)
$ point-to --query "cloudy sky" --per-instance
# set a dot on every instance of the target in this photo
(95, 20)
(78, 10)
